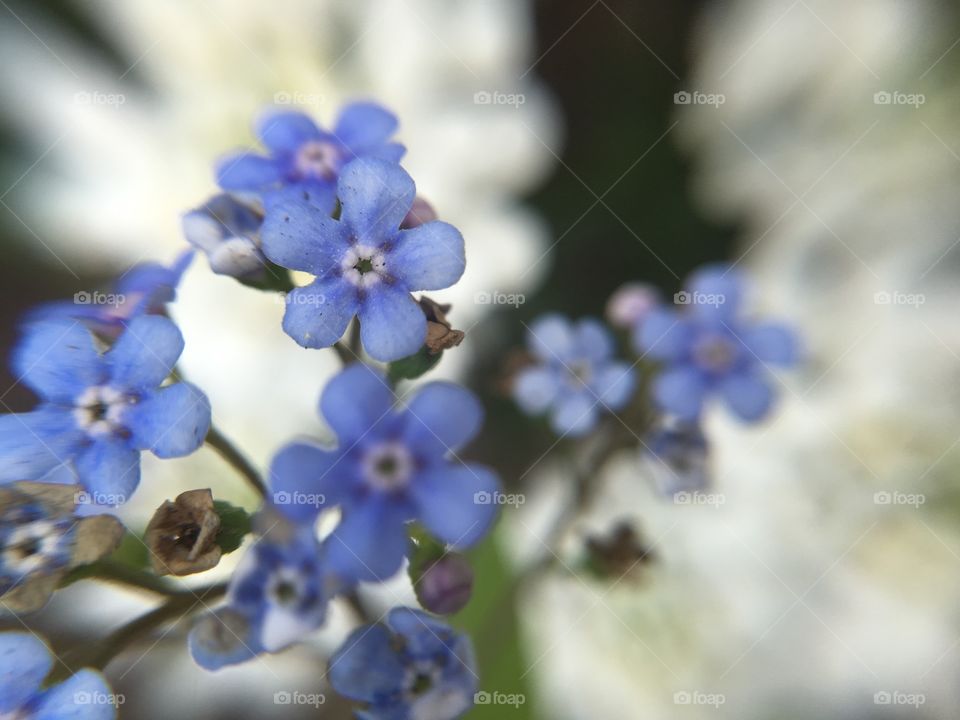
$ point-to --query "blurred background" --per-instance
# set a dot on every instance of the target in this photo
(578, 145)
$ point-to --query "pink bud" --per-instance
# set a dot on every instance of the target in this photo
(421, 213)
(631, 303)
(445, 585)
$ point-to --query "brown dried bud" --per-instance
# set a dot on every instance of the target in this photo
(619, 553)
(440, 333)
(182, 535)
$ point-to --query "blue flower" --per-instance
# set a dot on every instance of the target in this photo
(227, 231)
(710, 350)
(391, 467)
(98, 411)
(278, 594)
(25, 662)
(303, 156)
(575, 377)
(414, 666)
(364, 263)
(145, 289)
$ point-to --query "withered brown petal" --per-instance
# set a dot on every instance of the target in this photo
(182, 535)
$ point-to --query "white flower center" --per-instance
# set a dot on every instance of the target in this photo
(29, 546)
(99, 410)
(388, 466)
(285, 587)
(318, 159)
(364, 266)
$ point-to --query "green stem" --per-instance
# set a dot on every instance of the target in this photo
(178, 606)
(236, 459)
(117, 573)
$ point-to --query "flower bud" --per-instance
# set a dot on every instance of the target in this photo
(420, 213)
(445, 585)
(630, 304)
(182, 535)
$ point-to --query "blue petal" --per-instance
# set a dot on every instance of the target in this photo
(247, 171)
(32, 444)
(664, 335)
(145, 354)
(773, 343)
(614, 384)
(551, 338)
(300, 234)
(593, 340)
(223, 637)
(84, 696)
(354, 401)
(370, 542)
(109, 468)
(284, 131)
(428, 257)
(319, 195)
(366, 666)
(442, 417)
(391, 152)
(376, 196)
(715, 292)
(457, 503)
(748, 396)
(365, 125)
(57, 360)
(317, 315)
(304, 480)
(392, 325)
(24, 663)
(680, 391)
(536, 388)
(170, 422)
(574, 414)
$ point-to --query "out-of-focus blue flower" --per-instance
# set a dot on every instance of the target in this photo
(303, 156)
(227, 231)
(392, 466)
(576, 377)
(25, 662)
(33, 541)
(414, 666)
(710, 349)
(278, 595)
(364, 264)
(98, 411)
(145, 289)
(679, 455)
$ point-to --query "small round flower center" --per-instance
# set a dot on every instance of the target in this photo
(715, 354)
(286, 588)
(388, 466)
(317, 159)
(364, 266)
(581, 372)
(420, 678)
(99, 410)
(31, 547)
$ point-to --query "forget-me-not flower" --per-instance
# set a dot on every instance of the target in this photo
(392, 466)
(98, 411)
(227, 231)
(364, 264)
(576, 377)
(413, 666)
(709, 349)
(25, 662)
(303, 156)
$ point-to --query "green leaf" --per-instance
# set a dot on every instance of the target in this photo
(413, 366)
(235, 525)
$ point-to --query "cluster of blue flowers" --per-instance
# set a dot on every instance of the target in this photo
(336, 204)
